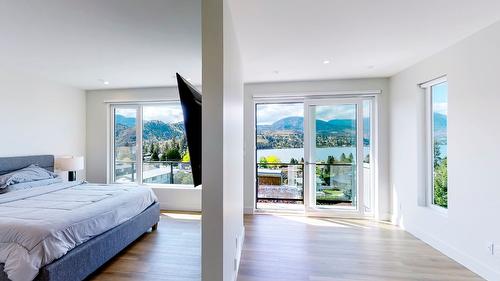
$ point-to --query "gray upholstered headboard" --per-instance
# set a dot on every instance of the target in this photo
(9, 164)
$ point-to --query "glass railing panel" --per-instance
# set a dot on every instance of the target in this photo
(167, 172)
(336, 185)
(280, 183)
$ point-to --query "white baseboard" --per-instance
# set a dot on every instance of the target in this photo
(169, 207)
(248, 210)
(469, 262)
(385, 217)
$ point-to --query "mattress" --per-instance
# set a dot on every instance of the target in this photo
(40, 225)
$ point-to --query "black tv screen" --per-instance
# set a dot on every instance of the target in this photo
(191, 106)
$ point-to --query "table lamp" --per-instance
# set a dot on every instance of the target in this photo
(70, 164)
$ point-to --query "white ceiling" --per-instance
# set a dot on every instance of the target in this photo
(130, 43)
(361, 38)
(142, 43)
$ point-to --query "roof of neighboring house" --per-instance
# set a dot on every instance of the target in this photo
(269, 172)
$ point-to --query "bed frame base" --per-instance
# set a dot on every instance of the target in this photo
(85, 259)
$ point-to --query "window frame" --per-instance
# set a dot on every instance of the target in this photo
(429, 143)
(139, 106)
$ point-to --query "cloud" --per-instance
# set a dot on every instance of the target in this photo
(127, 112)
(267, 114)
(440, 107)
(329, 112)
(171, 113)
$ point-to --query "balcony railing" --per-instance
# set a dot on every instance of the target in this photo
(284, 183)
(335, 184)
(280, 183)
(154, 172)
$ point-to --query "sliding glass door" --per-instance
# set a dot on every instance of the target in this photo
(316, 153)
(334, 146)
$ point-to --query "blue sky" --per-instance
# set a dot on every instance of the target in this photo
(440, 98)
(267, 114)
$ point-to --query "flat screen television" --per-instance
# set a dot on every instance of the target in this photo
(191, 106)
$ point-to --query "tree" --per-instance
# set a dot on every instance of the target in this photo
(437, 153)
(294, 161)
(273, 159)
(351, 158)
(186, 157)
(154, 154)
(263, 161)
(151, 148)
(441, 183)
(343, 158)
(173, 154)
(164, 153)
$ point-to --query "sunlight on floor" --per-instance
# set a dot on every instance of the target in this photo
(312, 221)
(182, 216)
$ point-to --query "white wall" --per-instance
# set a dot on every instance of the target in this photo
(222, 215)
(98, 114)
(332, 86)
(472, 67)
(40, 117)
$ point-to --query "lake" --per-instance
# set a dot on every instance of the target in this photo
(322, 154)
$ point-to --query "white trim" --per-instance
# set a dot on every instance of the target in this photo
(249, 211)
(311, 95)
(337, 97)
(429, 146)
(138, 106)
(433, 82)
(144, 101)
(457, 255)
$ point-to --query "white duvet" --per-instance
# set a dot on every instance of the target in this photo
(40, 225)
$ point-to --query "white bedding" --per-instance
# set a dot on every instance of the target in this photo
(42, 224)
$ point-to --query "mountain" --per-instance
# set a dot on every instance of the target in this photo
(154, 130)
(440, 126)
(159, 131)
(440, 122)
(125, 121)
(295, 124)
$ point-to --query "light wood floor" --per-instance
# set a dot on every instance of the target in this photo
(288, 248)
(172, 252)
(292, 248)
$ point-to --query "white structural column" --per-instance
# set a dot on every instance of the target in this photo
(222, 148)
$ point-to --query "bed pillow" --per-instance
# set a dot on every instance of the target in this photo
(28, 174)
(30, 184)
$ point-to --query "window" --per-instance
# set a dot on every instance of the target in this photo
(437, 144)
(149, 144)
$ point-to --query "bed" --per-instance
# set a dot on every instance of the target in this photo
(66, 231)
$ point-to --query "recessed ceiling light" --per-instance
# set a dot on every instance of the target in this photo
(326, 62)
(371, 67)
(276, 72)
(104, 81)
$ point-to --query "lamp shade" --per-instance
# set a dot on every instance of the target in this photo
(72, 163)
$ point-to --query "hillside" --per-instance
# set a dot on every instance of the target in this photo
(154, 130)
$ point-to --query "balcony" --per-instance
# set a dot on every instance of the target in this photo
(154, 172)
(283, 183)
